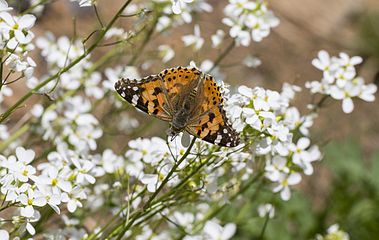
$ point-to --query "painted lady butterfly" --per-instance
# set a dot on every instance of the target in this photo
(188, 99)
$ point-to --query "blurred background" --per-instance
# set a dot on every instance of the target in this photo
(345, 186)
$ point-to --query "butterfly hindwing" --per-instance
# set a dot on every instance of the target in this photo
(213, 127)
(147, 94)
(212, 124)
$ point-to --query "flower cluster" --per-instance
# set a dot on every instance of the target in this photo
(69, 121)
(249, 20)
(340, 80)
(16, 42)
(268, 124)
(58, 53)
(62, 179)
(178, 12)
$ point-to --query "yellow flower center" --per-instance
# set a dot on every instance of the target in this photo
(54, 182)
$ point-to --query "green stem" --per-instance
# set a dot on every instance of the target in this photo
(264, 226)
(145, 41)
(223, 55)
(5, 115)
(1, 73)
(14, 136)
(31, 8)
(182, 183)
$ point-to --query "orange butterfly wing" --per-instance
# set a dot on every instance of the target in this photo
(147, 94)
(212, 124)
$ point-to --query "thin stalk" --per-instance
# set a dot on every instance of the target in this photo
(223, 55)
(152, 197)
(31, 8)
(5, 115)
(264, 226)
(14, 136)
(145, 41)
(1, 72)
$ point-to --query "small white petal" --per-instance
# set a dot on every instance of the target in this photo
(30, 229)
(303, 143)
(347, 105)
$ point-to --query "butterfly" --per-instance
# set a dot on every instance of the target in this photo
(187, 98)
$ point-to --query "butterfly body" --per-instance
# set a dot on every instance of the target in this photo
(188, 99)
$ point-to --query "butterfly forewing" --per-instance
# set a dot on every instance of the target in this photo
(148, 95)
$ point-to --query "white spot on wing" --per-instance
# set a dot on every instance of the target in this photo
(218, 139)
(135, 100)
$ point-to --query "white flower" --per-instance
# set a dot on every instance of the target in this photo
(178, 5)
(19, 168)
(299, 150)
(303, 157)
(185, 219)
(213, 231)
(252, 61)
(217, 38)
(53, 199)
(166, 53)
(151, 181)
(196, 40)
(286, 180)
(83, 171)
(25, 156)
(85, 137)
(340, 81)
(367, 92)
(4, 134)
(73, 198)
(21, 63)
(274, 168)
(85, 3)
(114, 74)
(266, 210)
(111, 162)
(116, 32)
(149, 150)
(325, 64)
(3, 233)
(18, 27)
(92, 86)
(345, 94)
(289, 91)
(4, 8)
(33, 198)
(335, 233)
(5, 92)
(249, 20)
(164, 22)
(55, 180)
